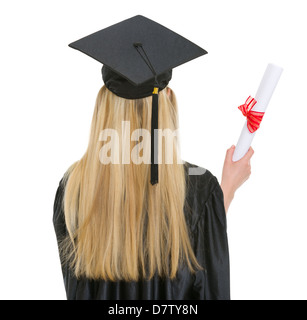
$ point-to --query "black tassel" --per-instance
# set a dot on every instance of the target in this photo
(154, 172)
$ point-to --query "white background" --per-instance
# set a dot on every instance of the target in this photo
(47, 95)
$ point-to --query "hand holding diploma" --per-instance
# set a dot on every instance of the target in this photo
(234, 174)
(256, 107)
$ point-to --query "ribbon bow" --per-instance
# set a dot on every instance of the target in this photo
(253, 117)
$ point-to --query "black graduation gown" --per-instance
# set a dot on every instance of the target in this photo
(206, 221)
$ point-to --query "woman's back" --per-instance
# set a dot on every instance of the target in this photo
(206, 222)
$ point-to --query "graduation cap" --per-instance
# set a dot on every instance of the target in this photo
(138, 56)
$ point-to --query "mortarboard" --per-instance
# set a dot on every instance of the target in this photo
(138, 56)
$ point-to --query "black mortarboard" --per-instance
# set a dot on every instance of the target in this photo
(138, 56)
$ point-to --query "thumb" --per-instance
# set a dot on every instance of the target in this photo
(230, 152)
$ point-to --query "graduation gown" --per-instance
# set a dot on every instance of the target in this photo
(206, 222)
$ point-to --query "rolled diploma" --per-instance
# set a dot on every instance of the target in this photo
(263, 96)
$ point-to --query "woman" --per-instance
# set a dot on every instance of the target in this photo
(123, 236)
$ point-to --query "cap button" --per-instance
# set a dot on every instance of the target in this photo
(137, 44)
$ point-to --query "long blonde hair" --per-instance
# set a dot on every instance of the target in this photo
(120, 227)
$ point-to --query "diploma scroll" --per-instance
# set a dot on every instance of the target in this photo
(263, 97)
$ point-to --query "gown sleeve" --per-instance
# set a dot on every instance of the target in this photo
(213, 283)
(59, 224)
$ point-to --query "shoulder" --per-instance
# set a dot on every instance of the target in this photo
(58, 207)
(204, 196)
(61, 188)
(200, 181)
(60, 193)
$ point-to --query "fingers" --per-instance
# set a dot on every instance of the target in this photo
(246, 157)
(249, 154)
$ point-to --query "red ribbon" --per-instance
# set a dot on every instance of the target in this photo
(253, 117)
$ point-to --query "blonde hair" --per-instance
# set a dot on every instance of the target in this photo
(120, 227)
